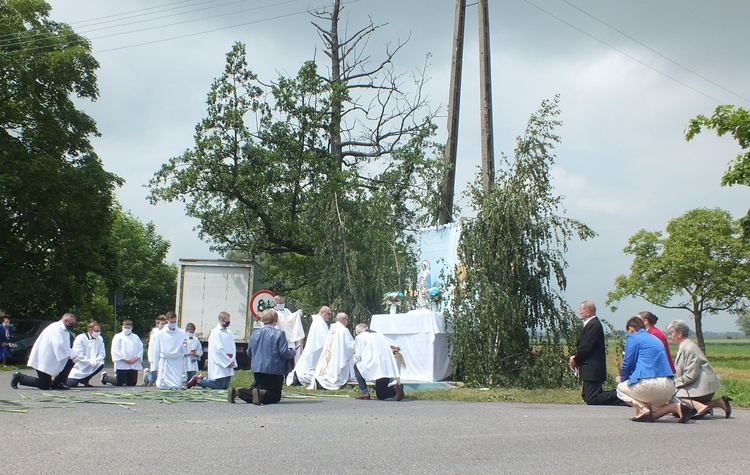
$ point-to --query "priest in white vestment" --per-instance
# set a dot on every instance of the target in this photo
(291, 324)
(304, 369)
(335, 365)
(222, 357)
(169, 350)
(374, 361)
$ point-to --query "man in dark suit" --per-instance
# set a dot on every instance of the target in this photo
(590, 360)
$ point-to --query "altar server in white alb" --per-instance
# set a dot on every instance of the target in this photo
(90, 349)
(304, 369)
(127, 353)
(51, 356)
(335, 365)
(291, 324)
(169, 351)
(374, 361)
(222, 357)
(194, 352)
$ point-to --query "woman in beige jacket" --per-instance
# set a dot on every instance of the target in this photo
(694, 378)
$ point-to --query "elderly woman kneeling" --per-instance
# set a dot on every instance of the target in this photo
(646, 379)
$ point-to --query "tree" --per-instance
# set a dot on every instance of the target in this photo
(291, 174)
(743, 322)
(509, 319)
(56, 197)
(735, 121)
(702, 266)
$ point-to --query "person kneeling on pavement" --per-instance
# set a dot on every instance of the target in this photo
(374, 361)
(271, 360)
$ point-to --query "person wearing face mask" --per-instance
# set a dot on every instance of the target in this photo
(194, 352)
(127, 351)
(169, 352)
(91, 353)
(149, 376)
(52, 357)
(291, 324)
(222, 357)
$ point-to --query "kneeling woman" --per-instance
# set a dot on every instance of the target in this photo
(646, 380)
(694, 378)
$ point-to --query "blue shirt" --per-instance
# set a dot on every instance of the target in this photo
(645, 357)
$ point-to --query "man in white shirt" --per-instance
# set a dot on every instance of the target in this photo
(169, 351)
(374, 361)
(335, 365)
(149, 376)
(222, 357)
(52, 357)
(90, 349)
(304, 369)
(127, 353)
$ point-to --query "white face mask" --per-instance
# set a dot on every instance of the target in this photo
(160, 326)
(191, 334)
(96, 334)
(280, 306)
(127, 331)
(172, 326)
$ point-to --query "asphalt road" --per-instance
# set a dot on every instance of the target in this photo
(341, 435)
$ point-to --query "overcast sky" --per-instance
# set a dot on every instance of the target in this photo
(630, 76)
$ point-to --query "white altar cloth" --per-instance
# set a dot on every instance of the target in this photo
(421, 334)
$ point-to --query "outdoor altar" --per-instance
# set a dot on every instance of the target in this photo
(421, 334)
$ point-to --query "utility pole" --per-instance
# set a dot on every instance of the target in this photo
(454, 106)
(485, 98)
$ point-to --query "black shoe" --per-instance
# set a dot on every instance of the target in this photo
(61, 386)
(726, 403)
(705, 412)
(104, 378)
(15, 379)
(295, 380)
(647, 417)
(687, 412)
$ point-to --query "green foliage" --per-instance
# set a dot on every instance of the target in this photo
(56, 197)
(702, 266)
(727, 119)
(743, 322)
(510, 322)
(262, 182)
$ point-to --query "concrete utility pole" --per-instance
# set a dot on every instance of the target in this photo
(485, 98)
(454, 103)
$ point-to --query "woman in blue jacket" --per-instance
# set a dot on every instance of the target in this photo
(646, 381)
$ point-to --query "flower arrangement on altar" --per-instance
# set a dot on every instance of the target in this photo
(392, 298)
(434, 294)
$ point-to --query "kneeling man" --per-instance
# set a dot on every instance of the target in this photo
(374, 361)
(335, 364)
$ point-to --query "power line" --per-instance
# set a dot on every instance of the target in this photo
(623, 53)
(656, 52)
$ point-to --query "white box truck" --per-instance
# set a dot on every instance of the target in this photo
(206, 287)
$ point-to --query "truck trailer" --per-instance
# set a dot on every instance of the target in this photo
(206, 287)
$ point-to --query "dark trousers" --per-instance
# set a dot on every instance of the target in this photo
(44, 380)
(73, 382)
(270, 383)
(594, 395)
(382, 390)
(123, 377)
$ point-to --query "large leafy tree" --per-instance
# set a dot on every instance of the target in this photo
(727, 119)
(702, 265)
(56, 197)
(271, 176)
(509, 319)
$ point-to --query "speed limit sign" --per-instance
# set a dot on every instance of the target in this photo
(260, 301)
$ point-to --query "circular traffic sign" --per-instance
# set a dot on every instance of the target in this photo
(260, 301)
